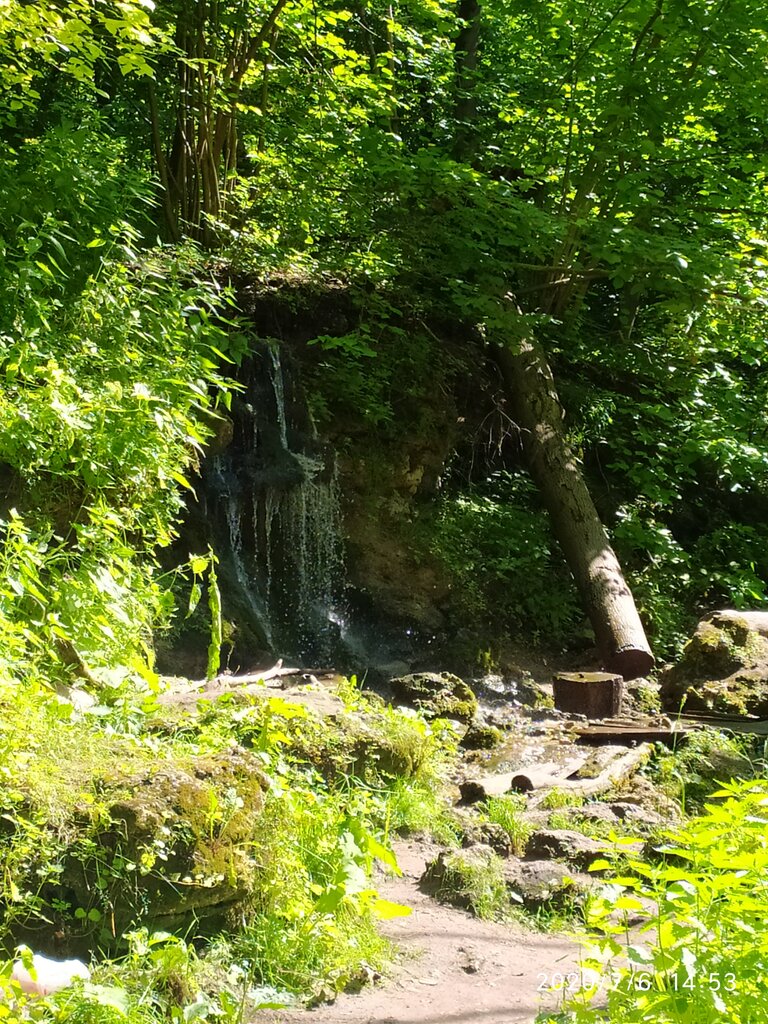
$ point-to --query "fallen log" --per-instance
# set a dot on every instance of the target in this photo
(549, 773)
(541, 776)
(618, 770)
(230, 682)
(628, 733)
(474, 790)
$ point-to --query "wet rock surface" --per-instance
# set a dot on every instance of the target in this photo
(436, 695)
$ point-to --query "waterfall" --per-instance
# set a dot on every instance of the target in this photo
(273, 511)
(279, 388)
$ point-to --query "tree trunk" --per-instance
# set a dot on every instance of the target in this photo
(465, 54)
(196, 174)
(605, 595)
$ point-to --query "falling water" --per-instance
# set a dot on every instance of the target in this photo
(275, 497)
(278, 385)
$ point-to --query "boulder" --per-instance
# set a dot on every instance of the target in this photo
(471, 878)
(177, 846)
(539, 883)
(481, 737)
(620, 816)
(436, 695)
(563, 844)
(724, 667)
(639, 817)
(461, 877)
(573, 847)
(488, 833)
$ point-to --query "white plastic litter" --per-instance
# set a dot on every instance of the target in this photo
(49, 975)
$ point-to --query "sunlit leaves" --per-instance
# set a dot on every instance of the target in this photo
(699, 954)
(72, 37)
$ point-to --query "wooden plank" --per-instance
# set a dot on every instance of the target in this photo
(751, 726)
(629, 735)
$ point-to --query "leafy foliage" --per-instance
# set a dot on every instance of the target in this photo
(591, 175)
(498, 545)
(699, 955)
(309, 929)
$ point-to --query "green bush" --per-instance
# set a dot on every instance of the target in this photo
(700, 955)
(496, 542)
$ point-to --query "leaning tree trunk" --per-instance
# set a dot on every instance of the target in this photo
(604, 593)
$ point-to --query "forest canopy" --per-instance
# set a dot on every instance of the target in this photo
(587, 177)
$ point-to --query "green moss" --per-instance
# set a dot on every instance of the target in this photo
(371, 742)
(482, 737)
(556, 798)
(691, 773)
(646, 698)
(437, 695)
(178, 829)
(177, 849)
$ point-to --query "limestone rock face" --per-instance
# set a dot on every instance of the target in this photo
(724, 667)
(436, 695)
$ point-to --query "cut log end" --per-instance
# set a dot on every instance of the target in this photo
(630, 663)
(594, 694)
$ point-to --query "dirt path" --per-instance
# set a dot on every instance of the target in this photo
(455, 968)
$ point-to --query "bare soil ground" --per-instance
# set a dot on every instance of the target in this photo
(454, 968)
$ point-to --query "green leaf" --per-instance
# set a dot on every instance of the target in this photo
(385, 910)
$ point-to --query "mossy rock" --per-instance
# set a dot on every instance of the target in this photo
(175, 849)
(724, 667)
(471, 878)
(548, 884)
(369, 743)
(436, 695)
(481, 737)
